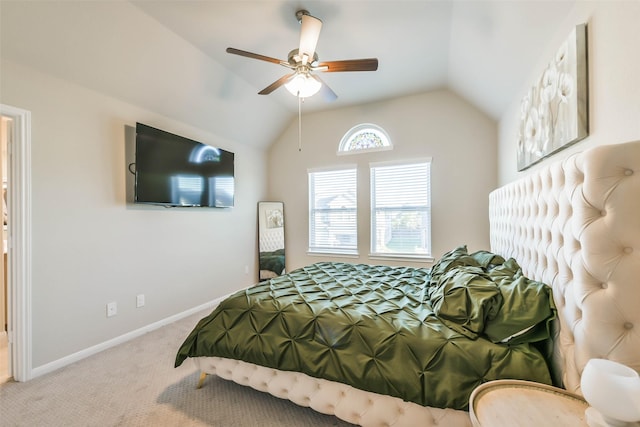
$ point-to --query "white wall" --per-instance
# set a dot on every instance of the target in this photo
(460, 139)
(613, 37)
(90, 247)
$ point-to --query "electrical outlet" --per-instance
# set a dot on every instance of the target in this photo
(112, 309)
(140, 301)
(246, 269)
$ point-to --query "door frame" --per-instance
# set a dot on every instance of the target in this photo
(19, 243)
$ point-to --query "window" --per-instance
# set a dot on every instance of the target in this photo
(333, 211)
(364, 137)
(401, 209)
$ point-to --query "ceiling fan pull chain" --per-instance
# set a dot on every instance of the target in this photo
(299, 122)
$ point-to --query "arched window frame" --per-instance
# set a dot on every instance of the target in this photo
(345, 142)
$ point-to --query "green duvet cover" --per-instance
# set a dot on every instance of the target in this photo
(428, 336)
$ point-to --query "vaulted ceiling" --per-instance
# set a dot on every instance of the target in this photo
(482, 50)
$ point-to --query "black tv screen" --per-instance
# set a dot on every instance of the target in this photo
(171, 170)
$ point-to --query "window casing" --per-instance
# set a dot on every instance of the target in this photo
(333, 214)
(364, 137)
(401, 209)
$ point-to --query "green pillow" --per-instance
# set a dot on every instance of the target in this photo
(464, 299)
(527, 307)
(481, 293)
(454, 258)
(487, 260)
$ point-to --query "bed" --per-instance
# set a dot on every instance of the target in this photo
(566, 237)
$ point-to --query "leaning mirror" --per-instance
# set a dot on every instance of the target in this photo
(271, 239)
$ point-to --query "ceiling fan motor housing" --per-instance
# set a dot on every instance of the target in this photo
(294, 58)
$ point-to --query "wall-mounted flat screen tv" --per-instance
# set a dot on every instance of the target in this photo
(171, 170)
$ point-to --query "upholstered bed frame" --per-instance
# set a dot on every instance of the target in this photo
(574, 225)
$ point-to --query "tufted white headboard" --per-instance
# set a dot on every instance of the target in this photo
(575, 225)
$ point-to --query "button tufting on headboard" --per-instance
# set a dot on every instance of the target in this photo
(575, 225)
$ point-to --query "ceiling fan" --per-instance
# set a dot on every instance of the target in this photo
(303, 61)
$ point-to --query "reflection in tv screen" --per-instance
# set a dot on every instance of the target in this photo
(175, 171)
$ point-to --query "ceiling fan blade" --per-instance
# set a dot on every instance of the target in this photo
(325, 91)
(275, 85)
(309, 34)
(368, 64)
(253, 55)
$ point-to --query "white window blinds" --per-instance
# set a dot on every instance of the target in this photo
(401, 209)
(333, 211)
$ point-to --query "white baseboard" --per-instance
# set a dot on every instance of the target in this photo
(72, 358)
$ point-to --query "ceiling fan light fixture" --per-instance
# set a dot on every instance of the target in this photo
(303, 85)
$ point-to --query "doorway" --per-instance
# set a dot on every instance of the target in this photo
(16, 136)
(6, 128)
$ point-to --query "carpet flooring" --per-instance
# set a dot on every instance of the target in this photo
(135, 384)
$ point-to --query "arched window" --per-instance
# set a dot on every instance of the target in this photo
(364, 137)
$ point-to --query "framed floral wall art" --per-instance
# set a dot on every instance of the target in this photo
(554, 113)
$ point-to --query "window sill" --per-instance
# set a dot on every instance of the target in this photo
(409, 258)
(334, 254)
